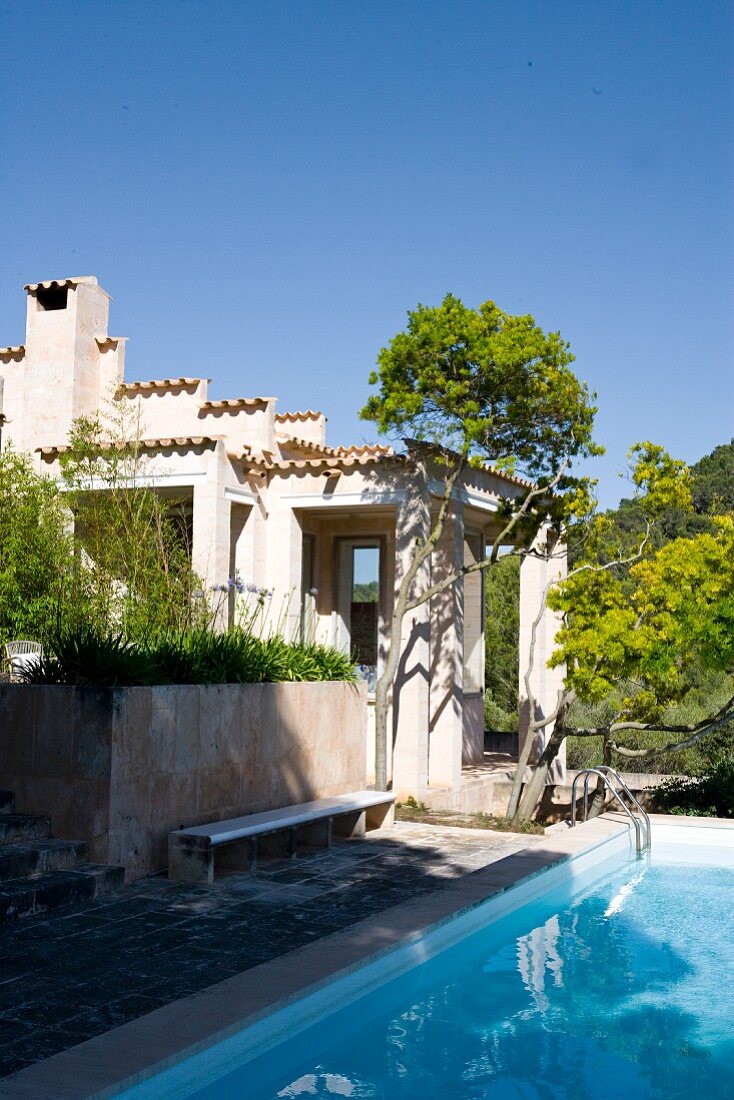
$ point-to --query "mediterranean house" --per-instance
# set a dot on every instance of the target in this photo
(327, 529)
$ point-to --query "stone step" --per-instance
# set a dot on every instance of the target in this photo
(39, 857)
(7, 802)
(24, 897)
(15, 828)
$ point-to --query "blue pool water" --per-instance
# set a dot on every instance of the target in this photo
(626, 990)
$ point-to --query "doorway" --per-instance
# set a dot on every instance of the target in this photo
(359, 591)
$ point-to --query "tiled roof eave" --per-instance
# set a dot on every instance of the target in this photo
(297, 443)
(331, 462)
(159, 384)
(48, 284)
(307, 414)
(236, 403)
(162, 444)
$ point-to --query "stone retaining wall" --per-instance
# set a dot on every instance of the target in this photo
(120, 767)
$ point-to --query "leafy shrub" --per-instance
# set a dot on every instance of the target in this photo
(496, 718)
(36, 560)
(709, 795)
(84, 654)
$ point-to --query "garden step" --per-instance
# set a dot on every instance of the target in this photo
(36, 857)
(23, 897)
(7, 802)
(20, 827)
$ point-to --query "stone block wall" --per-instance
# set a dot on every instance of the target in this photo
(121, 767)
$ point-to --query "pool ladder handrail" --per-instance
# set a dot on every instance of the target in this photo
(640, 820)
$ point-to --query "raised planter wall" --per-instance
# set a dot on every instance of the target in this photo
(121, 767)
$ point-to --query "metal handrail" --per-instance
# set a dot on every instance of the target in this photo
(601, 770)
(628, 792)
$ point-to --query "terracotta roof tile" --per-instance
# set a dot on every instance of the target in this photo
(309, 414)
(335, 452)
(173, 443)
(339, 462)
(13, 351)
(235, 403)
(104, 342)
(306, 445)
(48, 283)
(160, 384)
(366, 449)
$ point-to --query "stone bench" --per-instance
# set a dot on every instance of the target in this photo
(191, 851)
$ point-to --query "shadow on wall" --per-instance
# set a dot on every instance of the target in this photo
(120, 768)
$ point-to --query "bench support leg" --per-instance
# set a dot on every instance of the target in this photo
(252, 845)
(381, 817)
(292, 843)
(190, 862)
(350, 825)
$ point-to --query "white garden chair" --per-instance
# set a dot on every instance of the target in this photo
(22, 655)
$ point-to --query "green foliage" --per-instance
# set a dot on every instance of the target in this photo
(502, 625)
(411, 803)
(485, 384)
(497, 719)
(711, 795)
(651, 622)
(663, 482)
(84, 654)
(711, 489)
(712, 483)
(366, 593)
(133, 544)
(36, 563)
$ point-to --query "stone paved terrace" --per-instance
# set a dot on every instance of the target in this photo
(77, 973)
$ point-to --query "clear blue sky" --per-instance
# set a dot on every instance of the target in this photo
(266, 188)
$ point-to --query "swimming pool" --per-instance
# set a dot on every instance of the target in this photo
(601, 987)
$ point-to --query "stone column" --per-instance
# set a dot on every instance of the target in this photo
(535, 575)
(283, 568)
(447, 657)
(210, 552)
(410, 699)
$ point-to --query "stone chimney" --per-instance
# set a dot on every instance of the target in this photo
(71, 365)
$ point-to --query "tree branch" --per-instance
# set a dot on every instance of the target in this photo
(698, 730)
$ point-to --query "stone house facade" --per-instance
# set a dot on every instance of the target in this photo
(327, 529)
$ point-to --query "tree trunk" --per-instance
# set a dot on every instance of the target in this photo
(597, 802)
(533, 792)
(517, 782)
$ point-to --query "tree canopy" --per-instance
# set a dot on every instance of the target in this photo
(488, 385)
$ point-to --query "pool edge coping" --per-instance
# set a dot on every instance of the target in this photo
(117, 1060)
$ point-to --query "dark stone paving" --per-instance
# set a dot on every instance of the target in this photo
(75, 973)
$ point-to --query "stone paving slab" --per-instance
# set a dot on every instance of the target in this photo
(74, 974)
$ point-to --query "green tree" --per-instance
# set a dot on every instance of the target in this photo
(712, 491)
(469, 387)
(36, 563)
(636, 629)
